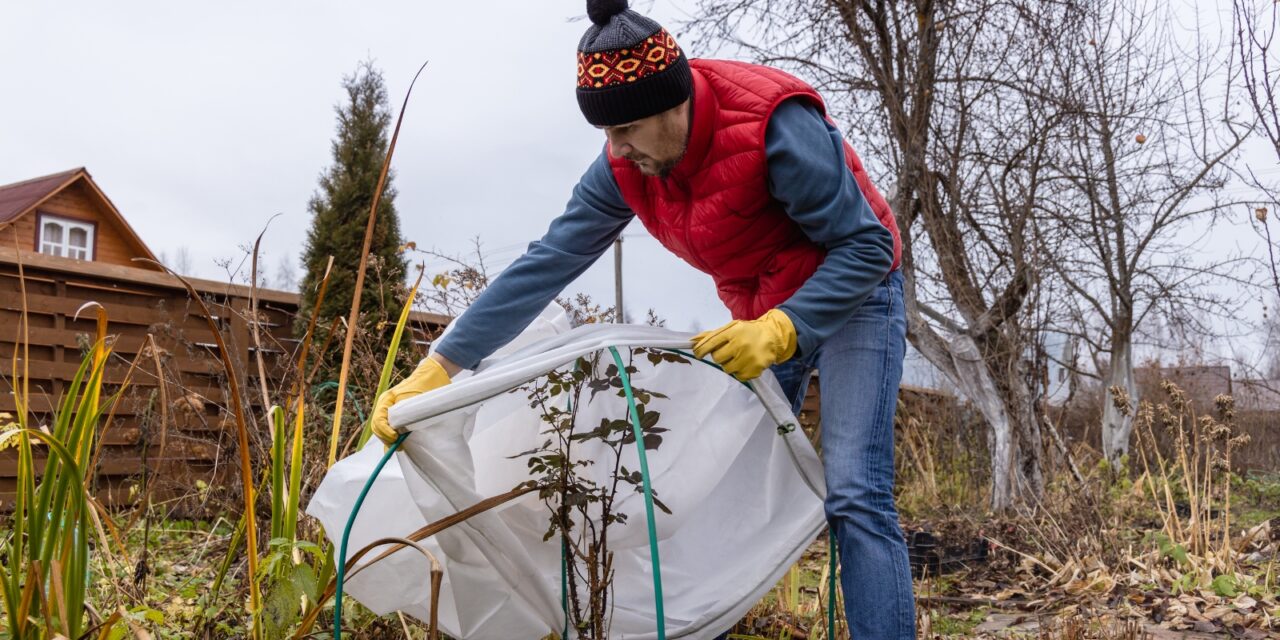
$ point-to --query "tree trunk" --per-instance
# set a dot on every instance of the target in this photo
(1030, 438)
(975, 383)
(1005, 404)
(1117, 425)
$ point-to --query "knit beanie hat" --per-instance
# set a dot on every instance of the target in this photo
(629, 67)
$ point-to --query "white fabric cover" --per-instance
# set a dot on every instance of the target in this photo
(745, 500)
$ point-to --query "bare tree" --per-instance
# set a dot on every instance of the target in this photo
(1142, 160)
(945, 97)
(286, 276)
(1258, 74)
(1271, 344)
(181, 262)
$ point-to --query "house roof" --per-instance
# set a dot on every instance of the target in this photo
(20, 198)
(1201, 383)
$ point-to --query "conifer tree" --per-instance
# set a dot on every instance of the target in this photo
(340, 213)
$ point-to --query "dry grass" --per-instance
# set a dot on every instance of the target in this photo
(1174, 539)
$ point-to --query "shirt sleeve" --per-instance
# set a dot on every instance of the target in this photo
(808, 174)
(592, 220)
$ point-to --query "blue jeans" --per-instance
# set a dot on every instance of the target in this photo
(861, 368)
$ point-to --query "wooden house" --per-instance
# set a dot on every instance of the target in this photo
(66, 215)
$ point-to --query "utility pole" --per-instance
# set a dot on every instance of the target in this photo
(617, 278)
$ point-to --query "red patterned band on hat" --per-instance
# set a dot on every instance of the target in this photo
(602, 69)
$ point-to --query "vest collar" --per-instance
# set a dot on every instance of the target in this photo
(700, 129)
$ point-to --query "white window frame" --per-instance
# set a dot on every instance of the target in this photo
(64, 248)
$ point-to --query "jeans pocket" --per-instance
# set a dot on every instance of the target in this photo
(880, 300)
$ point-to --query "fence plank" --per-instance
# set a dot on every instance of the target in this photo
(141, 302)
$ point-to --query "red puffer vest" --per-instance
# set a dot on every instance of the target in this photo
(714, 209)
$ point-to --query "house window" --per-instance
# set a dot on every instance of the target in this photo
(66, 237)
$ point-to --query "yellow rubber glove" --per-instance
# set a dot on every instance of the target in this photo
(429, 375)
(745, 348)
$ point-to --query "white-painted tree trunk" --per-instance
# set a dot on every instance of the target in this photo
(1117, 426)
(975, 383)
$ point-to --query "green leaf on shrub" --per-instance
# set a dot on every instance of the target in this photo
(304, 579)
(1225, 586)
(1170, 550)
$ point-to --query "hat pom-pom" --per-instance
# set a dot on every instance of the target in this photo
(601, 10)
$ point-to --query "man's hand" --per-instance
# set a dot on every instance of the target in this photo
(745, 348)
(430, 374)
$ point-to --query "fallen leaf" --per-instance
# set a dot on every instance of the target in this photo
(1244, 602)
(1217, 611)
(1204, 626)
(1193, 611)
(1005, 594)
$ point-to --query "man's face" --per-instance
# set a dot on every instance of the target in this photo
(654, 144)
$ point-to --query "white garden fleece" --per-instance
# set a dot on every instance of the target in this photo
(745, 496)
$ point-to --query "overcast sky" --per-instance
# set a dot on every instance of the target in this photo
(202, 120)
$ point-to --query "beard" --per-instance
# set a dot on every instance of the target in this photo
(675, 144)
(654, 168)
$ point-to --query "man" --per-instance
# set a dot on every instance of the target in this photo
(735, 168)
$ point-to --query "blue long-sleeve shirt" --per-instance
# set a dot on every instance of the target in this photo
(807, 174)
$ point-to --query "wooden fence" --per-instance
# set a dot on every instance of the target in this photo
(198, 439)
